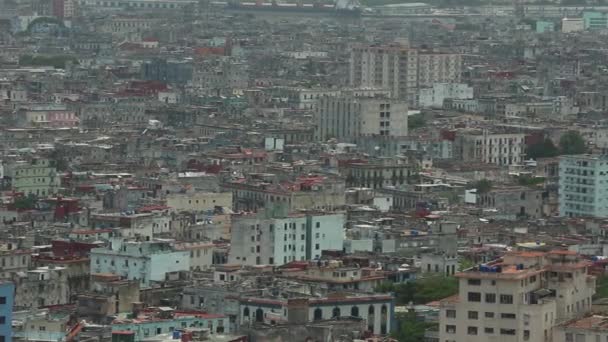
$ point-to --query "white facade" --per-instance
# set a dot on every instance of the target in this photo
(491, 148)
(278, 241)
(434, 97)
(142, 261)
(573, 25)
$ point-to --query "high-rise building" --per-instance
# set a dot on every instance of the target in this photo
(348, 117)
(401, 69)
(583, 184)
(517, 298)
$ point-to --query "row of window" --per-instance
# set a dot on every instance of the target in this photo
(489, 298)
(475, 314)
(451, 329)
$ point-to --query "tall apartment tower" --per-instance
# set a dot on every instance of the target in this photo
(401, 69)
(517, 298)
(392, 67)
(583, 182)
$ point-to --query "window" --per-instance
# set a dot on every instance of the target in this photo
(526, 335)
(2, 319)
(473, 315)
(569, 337)
(2, 300)
(450, 329)
(474, 297)
(472, 330)
(488, 330)
(507, 315)
(474, 282)
(489, 315)
(506, 299)
(507, 331)
(317, 246)
(450, 313)
(490, 298)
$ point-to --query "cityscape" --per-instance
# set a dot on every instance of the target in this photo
(303, 171)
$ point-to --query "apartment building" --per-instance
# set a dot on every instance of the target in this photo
(583, 329)
(37, 177)
(436, 67)
(583, 180)
(517, 298)
(491, 148)
(348, 117)
(277, 241)
(401, 69)
(145, 261)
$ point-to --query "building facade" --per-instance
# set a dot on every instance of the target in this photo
(518, 298)
(7, 291)
(582, 183)
(347, 117)
(145, 261)
(277, 241)
(491, 148)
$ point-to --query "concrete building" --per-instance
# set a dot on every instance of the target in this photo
(37, 177)
(517, 298)
(148, 324)
(40, 287)
(513, 202)
(434, 96)
(199, 201)
(570, 25)
(145, 261)
(277, 241)
(7, 296)
(348, 117)
(491, 148)
(376, 310)
(583, 329)
(582, 183)
(402, 69)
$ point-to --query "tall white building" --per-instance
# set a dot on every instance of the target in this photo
(402, 69)
(348, 117)
(277, 241)
(517, 298)
(583, 185)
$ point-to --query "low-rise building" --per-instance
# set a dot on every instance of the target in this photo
(277, 241)
(144, 261)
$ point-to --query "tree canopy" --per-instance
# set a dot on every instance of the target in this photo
(571, 142)
(409, 329)
(543, 149)
(483, 186)
(422, 290)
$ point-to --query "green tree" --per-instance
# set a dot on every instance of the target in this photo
(601, 290)
(543, 149)
(483, 186)
(409, 329)
(25, 202)
(422, 290)
(416, 121)
(465, 263)
(571, 142)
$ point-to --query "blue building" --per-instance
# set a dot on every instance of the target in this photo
(7, 297)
